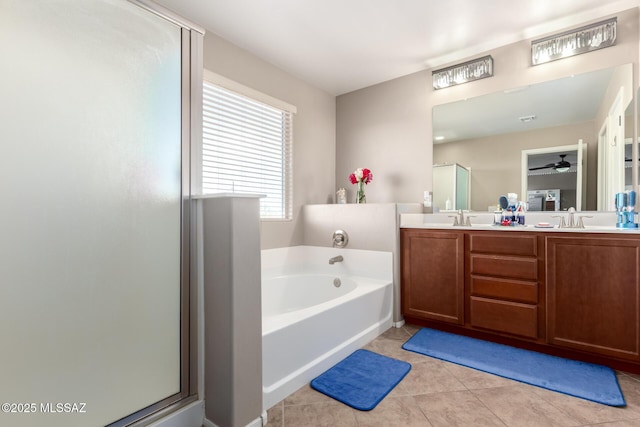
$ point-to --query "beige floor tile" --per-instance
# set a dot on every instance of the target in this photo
(457, 408)
(393, 412)
(519, 406)
(319, 415)
(474, 379)
(628, 374)
(306, 395)
(393, 348)
(429, 376)
(275, 415)
(411, 329)
(584, 411)
(631, 390)
(628, 423)
(399, 334)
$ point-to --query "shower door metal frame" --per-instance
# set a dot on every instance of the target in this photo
(191, 129)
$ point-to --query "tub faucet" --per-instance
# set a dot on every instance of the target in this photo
(336, 259)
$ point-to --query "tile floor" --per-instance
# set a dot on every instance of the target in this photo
(438, 393)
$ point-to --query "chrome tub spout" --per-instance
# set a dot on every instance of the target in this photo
(336, 259)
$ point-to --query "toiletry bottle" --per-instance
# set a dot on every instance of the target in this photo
(520, 215)
(497, 217)
(447, 204)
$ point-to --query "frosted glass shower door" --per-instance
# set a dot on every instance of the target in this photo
(90, 218)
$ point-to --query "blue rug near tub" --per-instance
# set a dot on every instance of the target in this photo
(579, 379)
(362, 380)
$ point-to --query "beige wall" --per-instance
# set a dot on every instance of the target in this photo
(388, 127)
(313, 130)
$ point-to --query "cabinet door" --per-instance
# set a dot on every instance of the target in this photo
(433, 275)
(593, 292)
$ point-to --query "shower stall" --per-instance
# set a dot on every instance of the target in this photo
(96, 119)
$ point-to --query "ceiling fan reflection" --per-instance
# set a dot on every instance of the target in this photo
(561, 166)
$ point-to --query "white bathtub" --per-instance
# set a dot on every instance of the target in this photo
(309, 324)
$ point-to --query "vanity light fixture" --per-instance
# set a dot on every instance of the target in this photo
(469, 71)
(574, 42)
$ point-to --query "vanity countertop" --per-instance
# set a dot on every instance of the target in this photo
(594, 222)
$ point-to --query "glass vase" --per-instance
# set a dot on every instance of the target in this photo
(360, 196)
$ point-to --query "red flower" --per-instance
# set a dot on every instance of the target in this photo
(361, 175)
(367, 176)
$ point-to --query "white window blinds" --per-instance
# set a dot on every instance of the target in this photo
(246, 148)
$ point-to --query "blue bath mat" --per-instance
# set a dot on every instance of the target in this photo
(579, 379)
(362, 380)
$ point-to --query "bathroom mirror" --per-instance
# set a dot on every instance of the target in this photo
(488, 133)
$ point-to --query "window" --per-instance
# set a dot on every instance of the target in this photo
(246, 148)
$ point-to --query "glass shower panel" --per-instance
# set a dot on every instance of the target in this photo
(90, 178)
(462, 188)
(451, 184)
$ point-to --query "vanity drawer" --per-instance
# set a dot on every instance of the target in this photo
(502, 266)
(504, 316)
(505, 289)
(504, 243)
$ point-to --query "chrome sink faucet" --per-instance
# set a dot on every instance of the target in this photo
(459, 220)
(571, 220)
(336, 259)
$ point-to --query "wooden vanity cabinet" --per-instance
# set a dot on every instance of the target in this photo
(593, 286)
(571, 294)
(504, 292)
(433, 274)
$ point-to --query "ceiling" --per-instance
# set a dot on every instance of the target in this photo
(343, 45)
